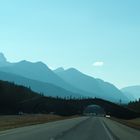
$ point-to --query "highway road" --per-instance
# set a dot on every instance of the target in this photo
(82, 128)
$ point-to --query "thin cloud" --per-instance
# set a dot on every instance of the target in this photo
(98, 64)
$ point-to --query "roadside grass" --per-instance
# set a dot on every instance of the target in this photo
(9, 122)
(133, 123)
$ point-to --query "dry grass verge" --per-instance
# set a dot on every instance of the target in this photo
(9, 122)
(134, 123)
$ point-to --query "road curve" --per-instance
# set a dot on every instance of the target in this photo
(82, 128)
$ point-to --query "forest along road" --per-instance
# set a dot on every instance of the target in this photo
(82, 128)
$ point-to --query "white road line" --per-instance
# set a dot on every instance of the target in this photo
(108, 133)
(5, 134)
(52, 138)
(9, 132)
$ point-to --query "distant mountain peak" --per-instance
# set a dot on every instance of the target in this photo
(2, 58)
(73, 70)
(3, 61)
(40, 63)
(60, 69)
(25, 62)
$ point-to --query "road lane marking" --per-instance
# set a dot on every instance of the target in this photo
(52, 138)
(108, 133)
(5, 134)
(21, 130)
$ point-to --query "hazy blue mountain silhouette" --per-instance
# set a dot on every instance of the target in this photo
(40, 72)
(71, 80)
(132, 92)
(37, 86)
(97, 87)
(61, 69)
(3, 61)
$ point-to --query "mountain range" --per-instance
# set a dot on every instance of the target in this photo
(59, 82)
(133, 92)
(96, 87)
(37, 86)
(15, 99)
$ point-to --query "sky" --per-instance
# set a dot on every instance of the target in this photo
(101, 38)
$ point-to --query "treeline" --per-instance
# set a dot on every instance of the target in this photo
(15, 99)
(12, 95)
(75, 106)
(135, 105)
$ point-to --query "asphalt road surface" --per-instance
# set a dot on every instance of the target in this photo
(82, 128)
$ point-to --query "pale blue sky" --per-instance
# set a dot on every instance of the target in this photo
(75, 33)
